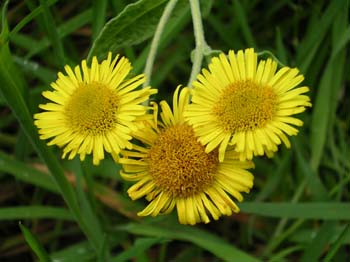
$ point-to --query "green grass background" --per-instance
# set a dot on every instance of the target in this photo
(299, 207)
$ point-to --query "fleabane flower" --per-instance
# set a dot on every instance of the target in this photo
(93, 110)
(246, 104)
(172, 170)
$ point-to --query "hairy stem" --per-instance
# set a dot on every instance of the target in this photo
(201, 45)
(155, 42)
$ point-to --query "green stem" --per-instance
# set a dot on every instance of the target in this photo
(155, 42)
(201, 45)
(266, 52)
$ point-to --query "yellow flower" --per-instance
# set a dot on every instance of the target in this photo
(93, 109)
(172, 169)
(246, 105)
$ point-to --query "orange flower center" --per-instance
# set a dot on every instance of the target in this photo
(245, 105)
(178, 162)
(92, 109)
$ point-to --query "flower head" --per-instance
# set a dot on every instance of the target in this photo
(93, 109)
(247, 105)
(171, 169)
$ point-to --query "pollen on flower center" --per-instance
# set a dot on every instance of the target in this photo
(92, 109)
(178, 162)
(245, 105)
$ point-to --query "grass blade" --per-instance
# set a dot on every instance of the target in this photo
(35, 69)
(337, 244)
(280, 256)
(52, 33)
(10, 89)
(320, 116)
(315, 37)
(30, 17)
(140, 245)
(242, 20)
(99, 13)
(329, 87)
(34, 244)
(314, 210)
(81, 252)
(26, 173)
(315, 249)
(35, 47)
(34, 212)
(318, 190)
(208, 241)
(85, 207)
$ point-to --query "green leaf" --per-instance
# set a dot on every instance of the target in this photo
(4, 28)
(281, 51)
(35, 69)
(280, 256)
(34, 212)
(329, 88)
(10, 88)
(273, 181)
(140, 245)
(25, 20)
(52, 33)
(320, 115)
(136, 23)
(314, 250)
(339, 241)
(314, 210)
(317, 189)
(203, 239)
(26, 173)
(75, 252)
(99, 14)
(64, 29)
(90, 217)
(243, 22)
(344, 38)
(34, 244)
(315, 36)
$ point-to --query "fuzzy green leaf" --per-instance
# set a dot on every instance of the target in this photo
(136, 23)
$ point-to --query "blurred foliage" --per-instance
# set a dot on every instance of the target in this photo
(298, 209)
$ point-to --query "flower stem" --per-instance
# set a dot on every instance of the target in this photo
(201, 45)
(266, 52)
(155, 41)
